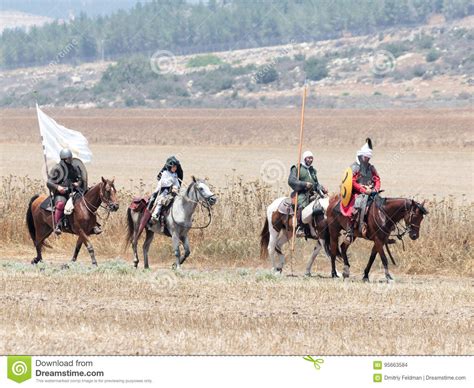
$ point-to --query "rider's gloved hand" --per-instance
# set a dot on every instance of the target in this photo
(324, 190)
(368, 191)
(309, 185)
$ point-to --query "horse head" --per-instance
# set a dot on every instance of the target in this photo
(201, 193)
(414, 217)
(108, 194)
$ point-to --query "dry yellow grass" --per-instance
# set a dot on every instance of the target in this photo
(117, 310)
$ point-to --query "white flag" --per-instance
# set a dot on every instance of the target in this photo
(56, 137)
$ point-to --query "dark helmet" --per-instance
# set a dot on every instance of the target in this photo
(65, 154)
(170, 162)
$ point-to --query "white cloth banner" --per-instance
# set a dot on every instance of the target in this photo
(56, 137)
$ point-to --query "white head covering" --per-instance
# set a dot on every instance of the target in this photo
(306, 154)
(366, 150)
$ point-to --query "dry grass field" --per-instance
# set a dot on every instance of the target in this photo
(225, 300)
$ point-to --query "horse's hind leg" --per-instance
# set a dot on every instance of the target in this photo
(176, 250)
(373, 254)
(316, 250)
(77, 249)
(347, 266)
(146, 247)
(281, 240)
(41, 235)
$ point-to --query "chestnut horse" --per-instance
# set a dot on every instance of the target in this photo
(381, 222)
(82, 220)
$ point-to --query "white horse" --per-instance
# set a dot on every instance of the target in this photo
(178, 221)
(278, 230)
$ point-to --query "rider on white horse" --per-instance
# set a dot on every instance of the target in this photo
(304, 187)
(169, 182)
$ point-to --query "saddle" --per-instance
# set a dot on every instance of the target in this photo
(138, 204)
(286, 207)
(47, 204)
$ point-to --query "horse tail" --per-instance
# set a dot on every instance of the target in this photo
(264, 240)
(29, 218)
(130, 229)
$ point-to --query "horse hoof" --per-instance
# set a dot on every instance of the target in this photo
(308, 274)
(345, 275)
(365, 279)
(65, 266)
(174, 267)
(388, 277)
(334, 275)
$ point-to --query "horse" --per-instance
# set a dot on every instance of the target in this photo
(383, 217)
(81, 221)
(178, 221)
(273, 238)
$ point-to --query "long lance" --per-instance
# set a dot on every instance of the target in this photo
(298, 164)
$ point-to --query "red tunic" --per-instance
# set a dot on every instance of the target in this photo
(358, 188)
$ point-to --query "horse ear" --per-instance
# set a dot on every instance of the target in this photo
(112, 181)
(194, 178)
(103, 180)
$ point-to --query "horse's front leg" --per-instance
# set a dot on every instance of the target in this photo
(334, 241)
(187, 250)
(373, 254)
(89, 246)
(175, 241)
(316, 250)
(379, 246)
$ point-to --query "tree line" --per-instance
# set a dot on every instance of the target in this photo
(182, 27)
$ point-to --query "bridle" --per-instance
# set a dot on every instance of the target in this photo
(104, 204)
(204, 203)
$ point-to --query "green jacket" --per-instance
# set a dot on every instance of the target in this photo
(299, 185)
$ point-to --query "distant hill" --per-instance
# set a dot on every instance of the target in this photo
(185, 28)
(423, 66)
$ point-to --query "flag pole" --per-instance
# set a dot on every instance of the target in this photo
(45, 165)
(298, 164)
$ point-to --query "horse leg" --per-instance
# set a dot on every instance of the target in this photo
(347, 266)
(187, 251)
(146, 247)
(272, 245)
(88, 244)
(40, 236)
(316, 250)
(379, 245)
(77, 249)
(373, 254)
(334, 241)
(176, 250)
(281, 240)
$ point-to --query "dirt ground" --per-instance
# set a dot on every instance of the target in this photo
(117, 310)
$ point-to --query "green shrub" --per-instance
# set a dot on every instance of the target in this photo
(316, 68)
(204, 60)
(266, 74)
(432, 55)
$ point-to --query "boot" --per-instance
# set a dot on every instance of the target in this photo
(58, 229)
(155, 216)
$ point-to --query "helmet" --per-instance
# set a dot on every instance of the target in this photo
(65, 154)
(172, 161)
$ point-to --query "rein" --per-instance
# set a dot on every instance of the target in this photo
(183, 225)
(88, 206)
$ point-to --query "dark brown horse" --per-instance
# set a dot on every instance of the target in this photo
(381, 222)
(82, 220)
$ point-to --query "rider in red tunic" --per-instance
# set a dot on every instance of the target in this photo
(365, 181)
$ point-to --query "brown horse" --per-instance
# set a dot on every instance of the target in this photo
(82, 220)
(381, 222)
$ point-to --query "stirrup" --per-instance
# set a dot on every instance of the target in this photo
(58, 230)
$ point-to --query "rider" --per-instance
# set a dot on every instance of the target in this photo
(169, 182)
(365, 181)
(63, 180)
(304, 186)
